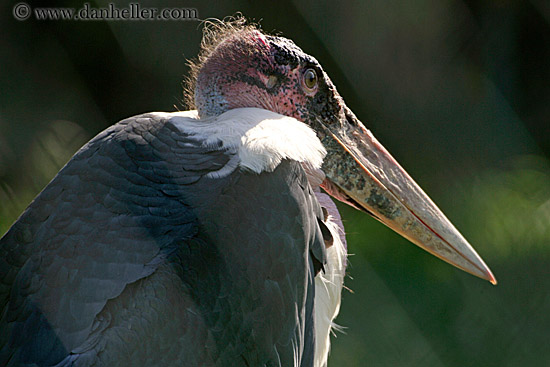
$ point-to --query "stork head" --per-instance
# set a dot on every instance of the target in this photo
(239, 66)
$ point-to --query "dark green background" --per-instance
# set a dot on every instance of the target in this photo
(458, 91)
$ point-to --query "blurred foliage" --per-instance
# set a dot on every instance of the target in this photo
(457, 90)
(50, 149)
(514, 204)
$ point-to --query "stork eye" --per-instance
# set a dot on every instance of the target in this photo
(310, 79)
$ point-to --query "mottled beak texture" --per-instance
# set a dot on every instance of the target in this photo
(361, 172)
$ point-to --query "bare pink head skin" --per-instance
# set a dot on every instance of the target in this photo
(251, 69)
(245, 68)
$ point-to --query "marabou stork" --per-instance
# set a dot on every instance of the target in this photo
(201, 238)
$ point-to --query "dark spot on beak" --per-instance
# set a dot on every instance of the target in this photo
(383, 204)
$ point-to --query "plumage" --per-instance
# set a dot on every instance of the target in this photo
(88, 273)
(202, 238)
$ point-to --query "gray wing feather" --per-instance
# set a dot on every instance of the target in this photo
(128, 257)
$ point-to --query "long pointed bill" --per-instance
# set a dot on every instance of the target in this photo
(361, 172)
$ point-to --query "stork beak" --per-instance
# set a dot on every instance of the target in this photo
(362, 173)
